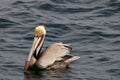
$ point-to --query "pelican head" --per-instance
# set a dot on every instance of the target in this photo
(39, 35)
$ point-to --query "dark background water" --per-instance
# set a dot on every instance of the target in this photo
(92, 27)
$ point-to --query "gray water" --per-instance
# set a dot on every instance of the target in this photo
(92, 27)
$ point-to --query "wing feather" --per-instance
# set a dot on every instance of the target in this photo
(52, 53)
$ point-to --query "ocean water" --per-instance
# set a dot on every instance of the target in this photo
(92, 27)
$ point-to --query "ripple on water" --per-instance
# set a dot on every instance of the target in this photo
(5, 23)
(115, 72)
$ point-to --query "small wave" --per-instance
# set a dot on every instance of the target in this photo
(5, 23)
(115, 72)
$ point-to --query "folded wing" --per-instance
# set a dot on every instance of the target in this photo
(56, 55)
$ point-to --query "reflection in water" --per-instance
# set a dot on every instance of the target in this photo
(47, 74)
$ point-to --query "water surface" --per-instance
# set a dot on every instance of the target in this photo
(92, 27)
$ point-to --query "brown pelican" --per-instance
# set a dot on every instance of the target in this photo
(54, 56)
